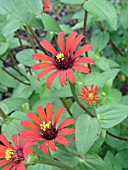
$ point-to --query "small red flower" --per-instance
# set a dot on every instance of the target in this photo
(89, 95)
(64, 61)
(46, 6)
(43, 128)
(14, 156)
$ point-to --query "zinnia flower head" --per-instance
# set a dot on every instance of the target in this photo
(65, 61)
(46, 6)
(89, 95)
(14, 156)
(42, 127)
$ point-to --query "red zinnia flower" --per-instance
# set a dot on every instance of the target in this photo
(89, 95)
(14, 156)
(64, 61)
(46, 6)
(43, 128)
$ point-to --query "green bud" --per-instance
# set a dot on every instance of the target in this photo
(32, 159)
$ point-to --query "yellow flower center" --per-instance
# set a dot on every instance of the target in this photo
(45, 126)
(91, 96)
(9, 153)
(60, 57)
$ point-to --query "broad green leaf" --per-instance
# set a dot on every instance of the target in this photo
(85, 133)
(27, 12)
(72, 2)
(124, 17)
(99, 40)
(3, 47)
(14, 103)
(104, 10)
(122, 158)
(112, 162)
(111, 115)
(12, 124)
(25, 57)
(2, 38)
(4, 107)
(93, 162)
(66, 28)
(39, 167)
(50, 24)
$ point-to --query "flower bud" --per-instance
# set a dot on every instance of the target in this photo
(32, 159)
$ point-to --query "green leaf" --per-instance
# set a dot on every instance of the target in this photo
(111, 115)
(112, 162)
(39, 167)
(50, 24)
(14, 103)
(104, 10)
(85, 133)
(25, 57)
(124, 17)
(99, 40)
(12, 124)
(72, 2)
(94, 162)
(122, 158)
(27, 12)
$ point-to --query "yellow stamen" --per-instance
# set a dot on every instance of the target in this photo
(91, 96)
(8, 154)
(60, 57)
(45, 126)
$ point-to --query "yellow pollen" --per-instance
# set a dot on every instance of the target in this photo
(8, 154)
(45, 126)
(91, 96)
(60, 57)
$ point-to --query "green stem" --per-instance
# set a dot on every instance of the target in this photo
(62, 100)
(14, 69)
(12, 58)
(84, 33)
(15, 77)
(30, 39)
(2, 114)
(17, 34)
(56, 163)
(36, 38)
(73, 90)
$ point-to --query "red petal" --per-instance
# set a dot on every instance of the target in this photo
(82, 50)
(50, 78)
(34, 118)
(5, 141)
(2, 155)
(49, 111)
(42, 57)
(62, 140)
(14, 139)
(2, 162)
(66, 123)
(30, 134)
(58, 114)
(62, 78)
(70, 75)
(20, 166)
(44, 147)
(44, 72)
(80, 68)
(84, 60)
(51, 145)
(2, 149)
(41, 66)
(69, 41)
(75, 43)
(66, 131)
(49, 47)
(30, 125)
(27, 151)
(14, 167)
(61, 41)
(7, 167)
(41, 113)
